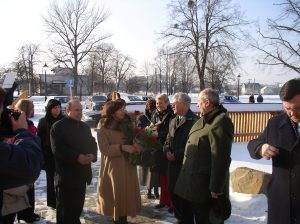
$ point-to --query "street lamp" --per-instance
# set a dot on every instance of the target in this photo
(238, 86)
(45, 67)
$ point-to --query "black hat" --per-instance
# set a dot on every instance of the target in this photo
(220, 208)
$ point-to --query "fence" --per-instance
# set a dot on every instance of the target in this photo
(249, 124)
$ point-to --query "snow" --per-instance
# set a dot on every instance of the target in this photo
(246, 209)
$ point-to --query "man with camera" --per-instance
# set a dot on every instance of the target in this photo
(21, 162)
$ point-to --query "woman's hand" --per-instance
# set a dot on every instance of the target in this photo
(129, 148)
(138, 148)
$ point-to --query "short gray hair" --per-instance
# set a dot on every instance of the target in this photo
(163, 97)
(71, 102)
(211, 95)
(182, 97)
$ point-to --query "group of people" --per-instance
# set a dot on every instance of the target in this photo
(259, 98)
(191, 169)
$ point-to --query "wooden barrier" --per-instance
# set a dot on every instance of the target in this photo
(249, 124)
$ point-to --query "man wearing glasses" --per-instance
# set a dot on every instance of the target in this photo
(280, 142)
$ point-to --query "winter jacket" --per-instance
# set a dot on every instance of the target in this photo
(20, 163)
(69, 138)
(283, 190)
(144, 120)
(207, 159)
(175, 143)
(163, 120)
(43, 131)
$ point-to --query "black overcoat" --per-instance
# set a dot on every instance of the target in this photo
(162, 120)
(70, 138)
(283, 191)
(175, 143)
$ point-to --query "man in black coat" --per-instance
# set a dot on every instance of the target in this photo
(74, 149)
(53, 114)
(280, 142)
(179, 129)
(20, 163)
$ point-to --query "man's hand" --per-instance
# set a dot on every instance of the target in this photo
(268, 151)
(84, 159)
(20, 123)
(170, 156)
(215, 195)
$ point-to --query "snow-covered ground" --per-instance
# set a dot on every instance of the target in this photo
(246, 209)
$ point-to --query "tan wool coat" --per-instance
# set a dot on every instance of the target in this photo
(119, 193)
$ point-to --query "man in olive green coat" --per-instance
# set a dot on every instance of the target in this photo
(204, 176)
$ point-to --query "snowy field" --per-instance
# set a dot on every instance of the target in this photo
(246, 209)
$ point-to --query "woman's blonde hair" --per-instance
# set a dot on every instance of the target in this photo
(26, 106)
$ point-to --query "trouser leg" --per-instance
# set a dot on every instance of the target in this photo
(70, 201)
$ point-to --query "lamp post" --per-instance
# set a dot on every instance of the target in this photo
(238, 86)
(45, 67)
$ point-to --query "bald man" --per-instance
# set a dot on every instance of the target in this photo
(74, 150)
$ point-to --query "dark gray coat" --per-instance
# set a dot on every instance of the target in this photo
(175, 143)
(284, 187)
(207, 159)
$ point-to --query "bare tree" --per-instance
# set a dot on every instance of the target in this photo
(203, 26)
(24, 67)
(220, 70)
(147, 72)
(186, 69)
(75, 24)
(100, 66)
(105, 63)
(281, 45)
(134, 84)
(122, 68)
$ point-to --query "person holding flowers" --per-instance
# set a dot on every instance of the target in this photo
(160, 122)
(148, 176)
(118, 193)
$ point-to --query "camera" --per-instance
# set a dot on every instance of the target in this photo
(7, 114)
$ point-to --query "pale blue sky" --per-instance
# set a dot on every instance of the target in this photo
(133, 23)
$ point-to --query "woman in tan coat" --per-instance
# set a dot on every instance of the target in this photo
(119, 194)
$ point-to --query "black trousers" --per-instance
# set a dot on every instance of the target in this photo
(70, 201)
(201, 213)
(51, 195)
(182, 209)
(190, 213)
(8, 219)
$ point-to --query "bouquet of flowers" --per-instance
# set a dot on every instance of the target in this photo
(145, 138)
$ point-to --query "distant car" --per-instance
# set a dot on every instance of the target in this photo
(145, 98)
(62, 99)
(91, 118)
(95, 102)
(133, 100)
(228, 99)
